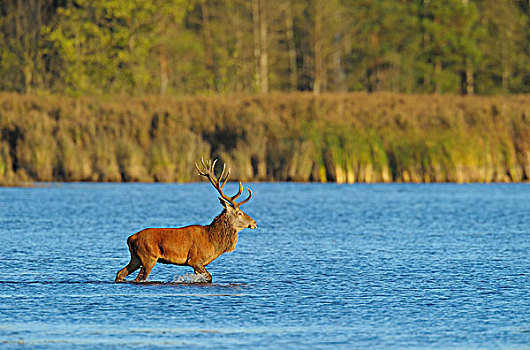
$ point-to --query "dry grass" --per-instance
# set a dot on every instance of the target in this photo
(295, 137)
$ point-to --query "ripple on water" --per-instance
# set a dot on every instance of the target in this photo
(362, 266)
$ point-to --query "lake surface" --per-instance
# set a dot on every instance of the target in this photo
(391, 266)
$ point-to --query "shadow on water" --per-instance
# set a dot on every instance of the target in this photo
(187, 284)
(140, 289)
(145, 283)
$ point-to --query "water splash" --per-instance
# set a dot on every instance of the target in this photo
(191, 278)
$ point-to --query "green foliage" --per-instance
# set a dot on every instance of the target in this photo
(107, 45)
(384, 42)
(99, 47)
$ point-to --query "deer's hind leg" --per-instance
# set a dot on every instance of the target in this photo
(147, 266)
(132, 266)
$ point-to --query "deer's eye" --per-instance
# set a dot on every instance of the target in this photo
(240, 213)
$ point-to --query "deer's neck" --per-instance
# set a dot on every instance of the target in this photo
(222, 233)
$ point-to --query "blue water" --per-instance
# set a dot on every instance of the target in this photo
(330, 266)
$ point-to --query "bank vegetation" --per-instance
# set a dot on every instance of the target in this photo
(344, 138)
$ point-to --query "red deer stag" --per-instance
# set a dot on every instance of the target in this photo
(195, 245)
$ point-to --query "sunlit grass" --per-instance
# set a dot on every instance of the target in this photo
(341, 138)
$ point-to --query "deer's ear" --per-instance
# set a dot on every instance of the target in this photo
(225, 204)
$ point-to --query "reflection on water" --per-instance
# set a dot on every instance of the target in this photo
(331, 266)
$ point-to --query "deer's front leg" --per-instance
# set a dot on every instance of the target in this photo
(200, 269)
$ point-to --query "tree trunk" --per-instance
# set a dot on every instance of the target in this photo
(289, 32)
(23, 34)
(207, 34)
(437, 74)
(241, 74)
(437, 65)
(317, 48)
(338, 69)
(256, 41)
(264, 57)
(469, 83)
(506, 66)
(426, 43)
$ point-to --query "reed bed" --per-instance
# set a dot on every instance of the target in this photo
(343, 138)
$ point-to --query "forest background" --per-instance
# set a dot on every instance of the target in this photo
(318, 90)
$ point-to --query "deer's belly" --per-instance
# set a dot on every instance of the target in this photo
(170, 261)
(173, 254)
(174, 257)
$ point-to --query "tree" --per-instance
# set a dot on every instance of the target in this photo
(107, 45)
(216, 46)
(450, 50)
(320, 39)
(385, 40)
(506, 66)
(261, 53)
(23, 50)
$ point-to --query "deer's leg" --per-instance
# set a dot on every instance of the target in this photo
(133, 265)
(147, 266)
(200, 269)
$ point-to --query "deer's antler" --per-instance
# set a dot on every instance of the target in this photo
(248, 198)
(208, 170)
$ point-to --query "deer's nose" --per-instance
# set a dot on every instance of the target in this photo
(253, 225)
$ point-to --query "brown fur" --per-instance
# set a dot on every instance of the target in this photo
(194, 246)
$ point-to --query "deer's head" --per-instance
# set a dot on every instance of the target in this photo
(239, 219)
